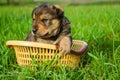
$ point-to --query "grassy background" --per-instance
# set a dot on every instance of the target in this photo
(98, 25)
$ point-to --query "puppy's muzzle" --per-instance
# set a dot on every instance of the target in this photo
(34, 30)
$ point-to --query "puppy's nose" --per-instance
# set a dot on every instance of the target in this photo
(34, 30)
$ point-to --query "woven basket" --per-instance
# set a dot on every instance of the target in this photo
(26, 52)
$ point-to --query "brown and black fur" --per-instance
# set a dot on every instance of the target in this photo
(51, 26)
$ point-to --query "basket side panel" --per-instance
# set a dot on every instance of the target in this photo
(68, 60)
(27, 55)
(23, 55)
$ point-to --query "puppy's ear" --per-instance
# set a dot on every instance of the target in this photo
(33, 12)
(65, 21)
(59, 11)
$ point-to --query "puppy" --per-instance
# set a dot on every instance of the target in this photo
(51, 26)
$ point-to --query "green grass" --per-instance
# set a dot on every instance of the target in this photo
(98, 25)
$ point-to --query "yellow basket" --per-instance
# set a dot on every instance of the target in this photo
(41, 52)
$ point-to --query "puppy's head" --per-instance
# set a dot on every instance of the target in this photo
(46, 20)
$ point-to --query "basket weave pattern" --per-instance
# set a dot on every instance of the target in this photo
(25, 54)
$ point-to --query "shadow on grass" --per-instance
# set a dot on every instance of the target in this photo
(18, 3)
(96, 3)
(64, 3)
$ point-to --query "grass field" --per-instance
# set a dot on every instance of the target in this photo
(98, 25)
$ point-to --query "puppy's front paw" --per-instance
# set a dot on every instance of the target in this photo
(65, 45)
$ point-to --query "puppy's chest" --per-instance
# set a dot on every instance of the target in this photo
(48, 41)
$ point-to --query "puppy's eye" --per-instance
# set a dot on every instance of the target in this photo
(33, 19)
(44, 20)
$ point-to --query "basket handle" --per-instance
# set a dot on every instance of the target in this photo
(81, 51)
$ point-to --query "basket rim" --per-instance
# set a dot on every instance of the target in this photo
(12, 43)
(82, 50)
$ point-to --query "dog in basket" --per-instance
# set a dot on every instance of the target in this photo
(51, 26)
